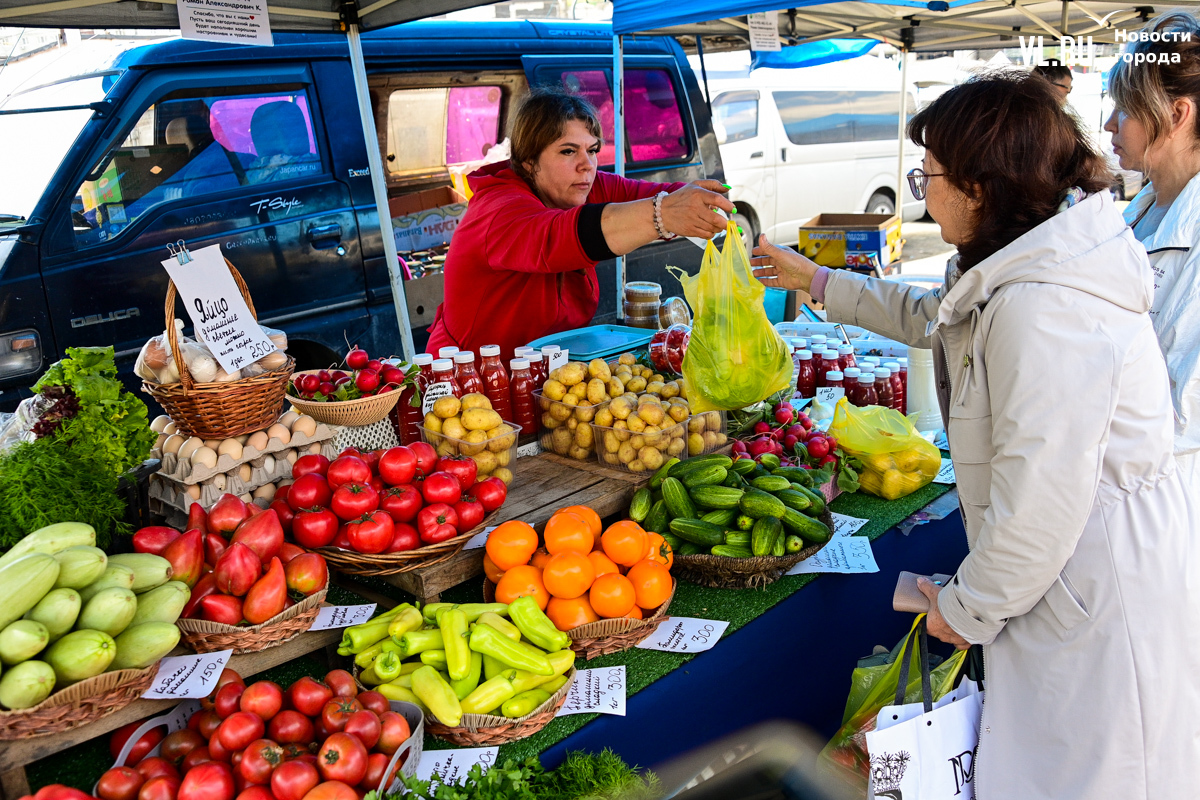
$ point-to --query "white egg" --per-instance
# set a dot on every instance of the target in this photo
(173, 443)
(279, 432)
(306, 425)
(160, 423)
(190, 446)
(258, 441)
(219, 481)
(204, 457)
(268, 464)
(231, 448)
(170, 428)
(158, 443)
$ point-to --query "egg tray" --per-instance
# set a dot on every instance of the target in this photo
(183, 471)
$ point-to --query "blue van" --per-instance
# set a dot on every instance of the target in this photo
(261, 150)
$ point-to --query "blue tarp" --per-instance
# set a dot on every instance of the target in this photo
(813, 53)
(632, 16)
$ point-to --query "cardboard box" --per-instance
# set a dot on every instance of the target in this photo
(858, 241)
(426, 219)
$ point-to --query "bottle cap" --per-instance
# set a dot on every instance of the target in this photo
(489, 350)
(833, 375)
(443, 365)
(903, 362)
(421, 359)
(518, 363)
(852, 373)
(550, 349)
(818, 337)
(871, 359)
(799, 343)
(883, 373)
(464, 357)
(894, 366)
(845, 349)
(447, 352)
(804, 355)
(866, 379)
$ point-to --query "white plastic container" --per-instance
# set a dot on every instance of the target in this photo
(921, 398)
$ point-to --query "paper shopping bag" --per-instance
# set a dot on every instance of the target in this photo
(929, 755)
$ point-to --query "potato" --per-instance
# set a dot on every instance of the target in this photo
(696, 424)
(652, 413)
(550, 422)
(453, 428)
(655, 387)
(670, 389)
(624, 373)
(604, 418)
(597, 390)
(570, 400)
(712, 420)
(585, 413)
(677, 412)
(651, 457)
(611, 442)
(476, 400)
(504, 457)
(622, 407)
(615, 386)
(486, 461)
(501, 438)
(695, 444)
(572, 424)
(713, 440)
(579, 454)
(653, 435)
(627, 358)
(676, 447)
(473, 443)
(627, 453)
(504, 475)
(447, 448)
(657, 378)
(580, 391)
(622, 430)
(635, 384)
(447, 407)
(480, 419)
(584, 436)
(635, 423)
(610, 458)
(598, 368)
(555, 374)
(559, 412)
(636, 466)
(433, 422)
(554, 390)
(638, 441)
(561, 441)
(574, 373)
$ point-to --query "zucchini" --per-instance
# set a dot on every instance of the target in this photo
(766, 531)
(744, 466)
(698, 532)
(807, 528)
(771, 483)
(720, 497)
(700, 462)
(744, 522)
(663, 471)
(723, 517)
(738, 538)
(816, 498)
(799, 501)
(730, 551)
(758, 504)
(639, 508)
(795, 474)
(679, 505)
(689, 549)
(705, 476)
(656, 520)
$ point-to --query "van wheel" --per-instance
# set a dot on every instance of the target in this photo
(749, 233)
(880, 203)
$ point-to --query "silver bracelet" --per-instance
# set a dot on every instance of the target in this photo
(658, 223)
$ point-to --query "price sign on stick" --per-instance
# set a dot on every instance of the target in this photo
(684, 635)
(596, 691)
(187, 676)
(219, 313)
(341, 616)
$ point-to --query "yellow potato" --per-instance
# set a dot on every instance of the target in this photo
(651, 413)
(610, 458)
(636, 466)
(585, 437)
(638, 441)
(598, 368)
(624, 373)
(504, 475)
(622, 430)
(651, 457)
(615, 386)
(653, 435)
(657, 378)
(627, 453)
(695, 444)
(486, 461)
(712, 421)
(447, 407)
(621, 407)
(433, 422)
(476, 400)
(611, 442)
(636, 423)
(572, 423)
(550, 422)
(713, 440)
(670, 389)
(676, 447)
(683, 388)
(677, 412)
(561, 412)
(579, 453)
(561, 440)
(474, 443)
(570, 400)
(504, 457)
(585, 413)
(655, 387)
(635, 384)
(447, 448)
(604, 418)
(453, 428)
(646, 372)
(627, 358)
(579, 391)
(555, 374)
(554, 390)
(501, 438)
(574, 373)
(696, 424)
(480, 419)
(597, 390)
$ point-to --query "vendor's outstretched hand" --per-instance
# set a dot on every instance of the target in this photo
(689, 211)
(935, 623)
(781, 267)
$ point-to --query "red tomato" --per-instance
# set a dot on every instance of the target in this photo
(157, 767)
(342, 758)
(491, 492)
(264, 698)
(374, 701)
(372, 459)
(195, 758)
(347, 469)
(404, 538)
(377, 764)
(313, 462)
(291, 727)
(144, 745)
(308, 491)
(284, 512)
(394, 732)
(320, 732)
(315, 527)
(255, 793)
(288, 552)
(462, 467)
(426, 457)
(365, 725)
(159, 789)
(441, 487)
(211, 781)
(120, 783)
(218, 751)
(338, 711)
(309, 696)
(342, 540)
(228, 700)
(307, 574)
(57, 791)
(401, 502)
(352, 500)
(332, 790)
(398, 466)
(293, 780)
(371, 533)
(239, 730)
(342, 683)
(259, 760)
(209, 722)
(178, 744)
(470, 513)
(437, 523)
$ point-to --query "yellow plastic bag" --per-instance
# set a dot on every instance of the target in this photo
(896, 460)
(734, 358)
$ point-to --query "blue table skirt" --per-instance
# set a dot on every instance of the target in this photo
(792, 663)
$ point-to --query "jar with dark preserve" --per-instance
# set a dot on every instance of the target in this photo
(850, 378)
(883, 388)
(443, 372)
(466, 374)
(846, 356)
(866, 390)
(833, 380)
(524, 408)
(447, 352)
(495, 381)
(829, 363)
(806, 377)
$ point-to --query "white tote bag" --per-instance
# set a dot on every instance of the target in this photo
(923, 751)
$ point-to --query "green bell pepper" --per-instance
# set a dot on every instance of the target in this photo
(387, 667)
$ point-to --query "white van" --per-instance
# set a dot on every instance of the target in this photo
(800, 142)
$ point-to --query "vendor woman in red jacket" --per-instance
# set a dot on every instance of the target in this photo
(523, 261)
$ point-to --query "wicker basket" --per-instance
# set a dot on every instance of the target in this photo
(483, 730)
(723, 572)
(219, 410)
(384, 564)
(204, 636)
(605, 636)
(78, 704)
(351, 413)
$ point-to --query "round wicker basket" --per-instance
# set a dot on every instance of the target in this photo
(78, 704)
(351, 413)
(384, 564)
(723, 572)
(482, 730)
(219, 410)
(204, 636)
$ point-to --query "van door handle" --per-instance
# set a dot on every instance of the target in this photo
(323, 236)
(783, 154)
(757, 154)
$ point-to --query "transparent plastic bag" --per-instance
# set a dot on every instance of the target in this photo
(19, 426)
(734, 358)
(896, 459)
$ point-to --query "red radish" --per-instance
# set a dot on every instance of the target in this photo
(762, 427)
(783, 415)
(367, 381)
(357, 359)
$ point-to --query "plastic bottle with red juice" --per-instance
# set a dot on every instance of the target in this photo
(833, 379)
(897, 385)
(806, 377)
(466, 374)
(406, 417)
(866, 390)
(883, 388)
(850, 380)
(524, 405)
(846, 356)
(829, 363)
(495, 381)
(443, 373)
(447, 352)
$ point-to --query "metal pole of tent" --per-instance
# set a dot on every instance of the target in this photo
(903, 118)
(704, 73)
(619, 148)
(379, 185)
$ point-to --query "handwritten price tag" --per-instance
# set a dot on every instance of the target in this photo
(180, 677)
(685, 635)
(560, 359)
(479, 540)
(946, 473)
(844, 553)
(844, 525)
(596, 691)
(829, 395)
(452, 766)
(433, 393)
(219, 313)
(341, 616)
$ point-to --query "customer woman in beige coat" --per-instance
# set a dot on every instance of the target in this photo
(1083, 579)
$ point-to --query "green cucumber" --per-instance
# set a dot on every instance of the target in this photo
(798, 501)
(705, 476)
(738, 538)
(758, 504)
(719, 497)
(807, 528)
(744, 522)
(779, 548)
(698, 532)
(770, 461)
(795, 474)
(663, 471)
(771, 483)
(656, 520)
(730, 551)
(743, 466)
(639, 507)
(794, 543)
(679, 505)
(700, 462)
(689, 549)
(816, 498)
(766, 531)
(723, 517)
(673, 540)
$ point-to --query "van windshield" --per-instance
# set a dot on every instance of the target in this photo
(49, 120)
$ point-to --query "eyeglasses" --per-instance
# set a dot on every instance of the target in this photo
(918, 182)
(1066, 86)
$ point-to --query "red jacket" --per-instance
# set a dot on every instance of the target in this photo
(516, 270)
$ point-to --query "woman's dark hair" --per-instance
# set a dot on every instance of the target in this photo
(1006, 142)
(1052, 71)
(540, 119)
